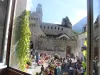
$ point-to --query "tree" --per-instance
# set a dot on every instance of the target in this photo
(24, 41)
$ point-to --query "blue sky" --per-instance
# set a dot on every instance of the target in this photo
(55, 10)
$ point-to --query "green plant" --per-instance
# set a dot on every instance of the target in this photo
(24, 41)
(76, 33)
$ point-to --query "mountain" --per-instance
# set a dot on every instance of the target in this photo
(78, 26)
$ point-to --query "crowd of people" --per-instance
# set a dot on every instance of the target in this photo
(63, 66)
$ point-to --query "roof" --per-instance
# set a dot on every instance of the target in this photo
(59, 35)
(64, 35)
(50, 24)
(40, 5)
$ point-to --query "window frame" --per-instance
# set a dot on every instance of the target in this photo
(89, 68)
(62, 29)
(10, 31)
(4, 26)
(58, 28)
(48, 27)
(51, 27)
(7, 22)
(55, 27)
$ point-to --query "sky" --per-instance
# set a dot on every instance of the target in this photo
(55, 10)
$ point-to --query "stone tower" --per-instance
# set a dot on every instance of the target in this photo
(66, 22)
(35, 22)
(39, 12)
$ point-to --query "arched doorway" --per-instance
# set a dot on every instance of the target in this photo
(68, 51)
(31, 44)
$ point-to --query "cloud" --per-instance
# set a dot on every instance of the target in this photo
(29, 4)
(80, 14)
(57, 22)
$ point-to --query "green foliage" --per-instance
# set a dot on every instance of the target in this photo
(24, 41)
(76, 33)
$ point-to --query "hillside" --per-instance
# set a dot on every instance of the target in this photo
(78, 26)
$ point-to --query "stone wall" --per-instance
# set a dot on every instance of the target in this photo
(80, 43)
(47, 43)
(62, 53)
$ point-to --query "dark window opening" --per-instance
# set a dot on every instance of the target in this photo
(34, 24)
(58, 28)
(51, 27)
(44, 26)
(48, 27)
(62, 29)
(84, 29)
(31, 18)
(55, 27)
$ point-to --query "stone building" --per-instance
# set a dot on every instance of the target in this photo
(82, 37)
(96, 30)
(49, 36)
(80, 42)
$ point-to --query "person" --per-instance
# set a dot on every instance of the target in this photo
(55, 72)
(37, 73)
(95, 71)
(37, 58)
(70, 68)
(50, 73)
(80, 69)
(75, 68)
(58, 70)
(42, 68)
(65, 61)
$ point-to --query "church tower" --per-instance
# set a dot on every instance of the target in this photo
(39, 12)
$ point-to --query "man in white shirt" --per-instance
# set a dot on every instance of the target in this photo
(65, 61)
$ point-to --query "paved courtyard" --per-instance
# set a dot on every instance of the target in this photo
(33, 70)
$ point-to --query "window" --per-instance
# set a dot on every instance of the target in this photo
(62, 29)
(84, 29)
(58, 28)
(15, 41)
(55, 27)
(34, 25)
(48, 27)
(41, 26)
(51, 27)
(31, 18)
(4, 24)
(44, 27)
